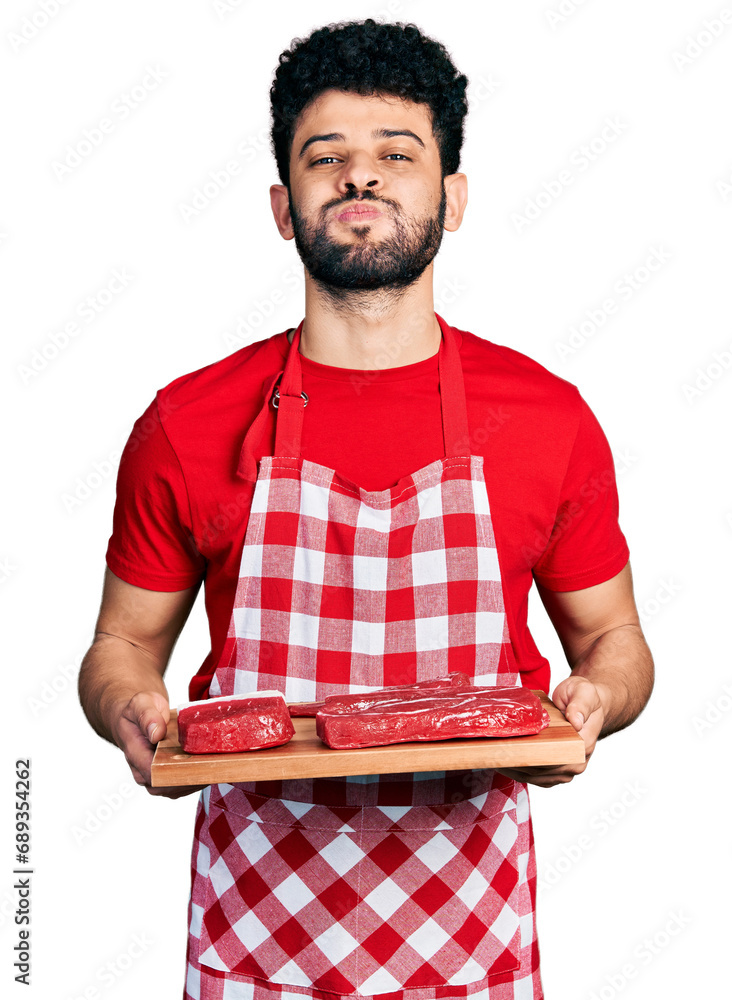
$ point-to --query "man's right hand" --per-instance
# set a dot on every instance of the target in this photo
(138, 726)
(121, 685)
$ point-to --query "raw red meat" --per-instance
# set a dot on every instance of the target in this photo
(453, 680)
(304, 708)
(345, 723)
(234, 723)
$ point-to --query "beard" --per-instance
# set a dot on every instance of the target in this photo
(363, 263)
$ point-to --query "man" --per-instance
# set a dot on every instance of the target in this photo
(369, 497)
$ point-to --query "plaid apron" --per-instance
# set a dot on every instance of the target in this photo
(402, 886)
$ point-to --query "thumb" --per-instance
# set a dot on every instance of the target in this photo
(575, 716)
(151, 712)
(574, 701)
(579, 707)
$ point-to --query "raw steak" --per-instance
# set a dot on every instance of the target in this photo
(233, 723)
(345, 723)
(453, 680)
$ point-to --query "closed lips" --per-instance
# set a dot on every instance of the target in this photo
(356, 213)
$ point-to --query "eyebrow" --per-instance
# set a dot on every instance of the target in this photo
(378, 133)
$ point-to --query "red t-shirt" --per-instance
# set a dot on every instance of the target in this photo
(182, 511)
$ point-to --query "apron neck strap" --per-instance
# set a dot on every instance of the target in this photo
(290, 401)
(452, 394)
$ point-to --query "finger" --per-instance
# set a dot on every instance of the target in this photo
(518, 774)
(560, 779)
(137, 775)
(137, 749)
(174, 791)
(533, 769)
(141, 769)
(582, 702)
(531, 773)
(556, 777)
(150, 716)
(526, 773)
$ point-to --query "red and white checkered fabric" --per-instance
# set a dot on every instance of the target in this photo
(402, 887)
(341, 589)
(377, 864)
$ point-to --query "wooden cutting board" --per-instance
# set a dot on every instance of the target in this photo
(306, 756)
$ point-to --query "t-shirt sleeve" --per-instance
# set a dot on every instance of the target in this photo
(152, 540)
(586, 546)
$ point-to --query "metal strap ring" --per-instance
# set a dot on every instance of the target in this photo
(276, 397)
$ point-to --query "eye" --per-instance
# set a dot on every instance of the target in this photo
(323, 159)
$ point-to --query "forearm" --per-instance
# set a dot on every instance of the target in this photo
(112, 672)
(620, 665)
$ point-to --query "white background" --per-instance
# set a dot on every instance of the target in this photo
(634, 855)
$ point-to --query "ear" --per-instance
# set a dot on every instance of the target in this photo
(278, 196)
(456, 191)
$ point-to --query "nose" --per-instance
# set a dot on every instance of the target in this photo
(360, 173)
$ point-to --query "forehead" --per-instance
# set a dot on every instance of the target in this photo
(354, 115)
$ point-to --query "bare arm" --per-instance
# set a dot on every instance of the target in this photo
(121, 685)
(601, 635)
(612, 667)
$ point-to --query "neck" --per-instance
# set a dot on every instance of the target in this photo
(383, 328)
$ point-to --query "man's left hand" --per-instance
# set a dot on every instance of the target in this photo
(581, 703)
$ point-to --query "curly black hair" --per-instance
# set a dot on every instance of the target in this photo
(367, 57)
